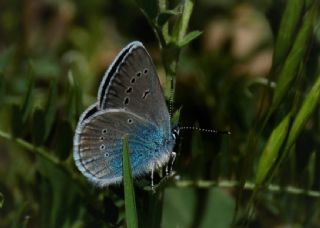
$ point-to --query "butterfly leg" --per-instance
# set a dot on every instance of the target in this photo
(173, 156)
(151, 177)
(169, 166)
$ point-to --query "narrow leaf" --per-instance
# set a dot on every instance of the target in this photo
(311, 169)
(165, 16)
(175, 117)
(287, 30)
(2, 90)
(26, 107)
(149, 7)
(129, 197)
(189, 37)
(74, 104)
(307, 108)
(271, 151)
(180, 28)
(50, 109)
(1, 200)
(290, 68)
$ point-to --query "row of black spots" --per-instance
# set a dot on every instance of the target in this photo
(130, 89)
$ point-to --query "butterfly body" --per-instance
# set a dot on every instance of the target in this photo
(130, 102)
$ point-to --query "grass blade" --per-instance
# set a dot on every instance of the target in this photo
(181, 27)
(290, 68)
(271, 151)
(1, 200)
(189, 37)
(288, 26)
(2, 90)
(304, 113)
(50, 109)
(129, 197)
(149, 7)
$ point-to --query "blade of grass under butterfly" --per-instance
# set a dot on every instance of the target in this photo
(129, 197)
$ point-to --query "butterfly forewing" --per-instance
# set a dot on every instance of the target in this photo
(135, 87)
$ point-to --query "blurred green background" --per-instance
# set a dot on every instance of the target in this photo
(254, 70)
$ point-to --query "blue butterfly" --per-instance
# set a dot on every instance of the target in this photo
(130, 102)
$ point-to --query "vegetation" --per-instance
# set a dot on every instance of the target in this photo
(249, 67)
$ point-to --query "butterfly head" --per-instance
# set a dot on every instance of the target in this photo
(175, 132)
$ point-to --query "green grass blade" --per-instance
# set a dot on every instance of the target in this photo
(129, 197)
(149, 7)
(290, 68)
(27, 103)
(1, 200)
(51, 107)
(304, 113)
(311, 170)
(181, 26)
(288, 26)
(271, 151)
(2, 90)
(74, 106)
(189, 37)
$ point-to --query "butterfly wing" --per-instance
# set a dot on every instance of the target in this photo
(132, 83)
(98, 145)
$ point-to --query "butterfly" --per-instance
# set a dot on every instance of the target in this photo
(130, 102)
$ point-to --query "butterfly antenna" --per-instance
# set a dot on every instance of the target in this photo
(171, 100)
(205, 130)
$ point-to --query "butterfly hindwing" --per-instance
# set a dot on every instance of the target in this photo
(98, 145)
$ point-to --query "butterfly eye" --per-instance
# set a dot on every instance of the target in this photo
(145, 71)
(133, 80)
(138, 74)
(102, 147)
(130, 121)
(107, 154)
(101, 138)
(104, 131)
